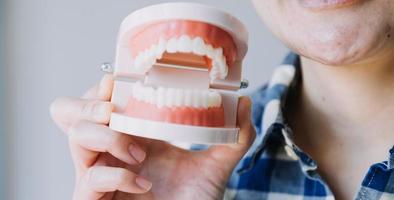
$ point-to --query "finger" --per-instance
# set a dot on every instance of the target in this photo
(247, 132)
(231, 154)
(66, 110)
(100, 179)
(95, 138)
(101, 91)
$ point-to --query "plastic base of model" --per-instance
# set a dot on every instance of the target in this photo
(173, 132)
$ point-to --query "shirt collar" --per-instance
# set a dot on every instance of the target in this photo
(274, 131)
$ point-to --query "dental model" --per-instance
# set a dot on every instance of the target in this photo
(177, 72)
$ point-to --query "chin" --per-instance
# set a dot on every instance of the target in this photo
(341, 49)
(344, 35)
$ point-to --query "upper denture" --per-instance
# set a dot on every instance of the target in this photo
(184, 36)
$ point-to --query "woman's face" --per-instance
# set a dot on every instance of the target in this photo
(334, 32)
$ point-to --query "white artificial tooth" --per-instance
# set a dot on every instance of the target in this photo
(196, 99)
(210, 52)
(145, 95)
(188, 98)
(213, 75)
(218, 53)
(141, 92)
(185, 44)
(170, 97)
(223, 68)
(161, 48)
(204, 99)
(154, 97)
(145, 60)
(215, 71)
(199, 46)
(179, 96)
(149, 95)
(161, 97)
(152, 54)
(211, 100)
(172, 45)
(215, 99)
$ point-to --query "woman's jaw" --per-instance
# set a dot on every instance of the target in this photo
(339, 36)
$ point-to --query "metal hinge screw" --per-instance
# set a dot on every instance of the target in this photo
(107, 67)
(244, 84)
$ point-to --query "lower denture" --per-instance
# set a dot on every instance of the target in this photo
(209, 117)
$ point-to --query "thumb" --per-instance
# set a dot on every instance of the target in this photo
(231, 154)
(244, 122)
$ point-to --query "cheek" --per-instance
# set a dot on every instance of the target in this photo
(271, 13)
(340, 37)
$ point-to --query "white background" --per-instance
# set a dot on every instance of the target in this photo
(53, 48)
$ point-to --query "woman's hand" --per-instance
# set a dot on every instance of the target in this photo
(112, 165)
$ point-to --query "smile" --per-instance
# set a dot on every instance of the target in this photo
(327, 4)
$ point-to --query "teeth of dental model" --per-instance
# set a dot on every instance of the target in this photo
(172, 45)
(184, 44)
(171, 97)
(199, 46)
(161, 97)
(179, 100)
(161, 48)
(188, 98)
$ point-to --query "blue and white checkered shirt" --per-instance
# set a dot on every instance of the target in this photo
(276, 169)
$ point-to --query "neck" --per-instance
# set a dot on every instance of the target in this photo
(345, 102)
(349, 93)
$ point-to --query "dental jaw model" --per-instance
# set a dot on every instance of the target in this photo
(177, 72)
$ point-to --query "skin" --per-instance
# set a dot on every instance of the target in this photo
(112, 165)
(344, 109)
(346, 60)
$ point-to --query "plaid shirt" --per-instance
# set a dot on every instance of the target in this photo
(275, 168)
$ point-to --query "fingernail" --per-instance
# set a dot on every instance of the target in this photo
(143, 183)
(137, 153)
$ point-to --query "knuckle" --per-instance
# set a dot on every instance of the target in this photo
(73, 130)
(88, 107)
(117, 138)
(88, 175)
(122, 177)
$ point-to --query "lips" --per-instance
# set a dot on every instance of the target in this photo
(326, 4)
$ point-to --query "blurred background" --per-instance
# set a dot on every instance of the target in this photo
(53, 48)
